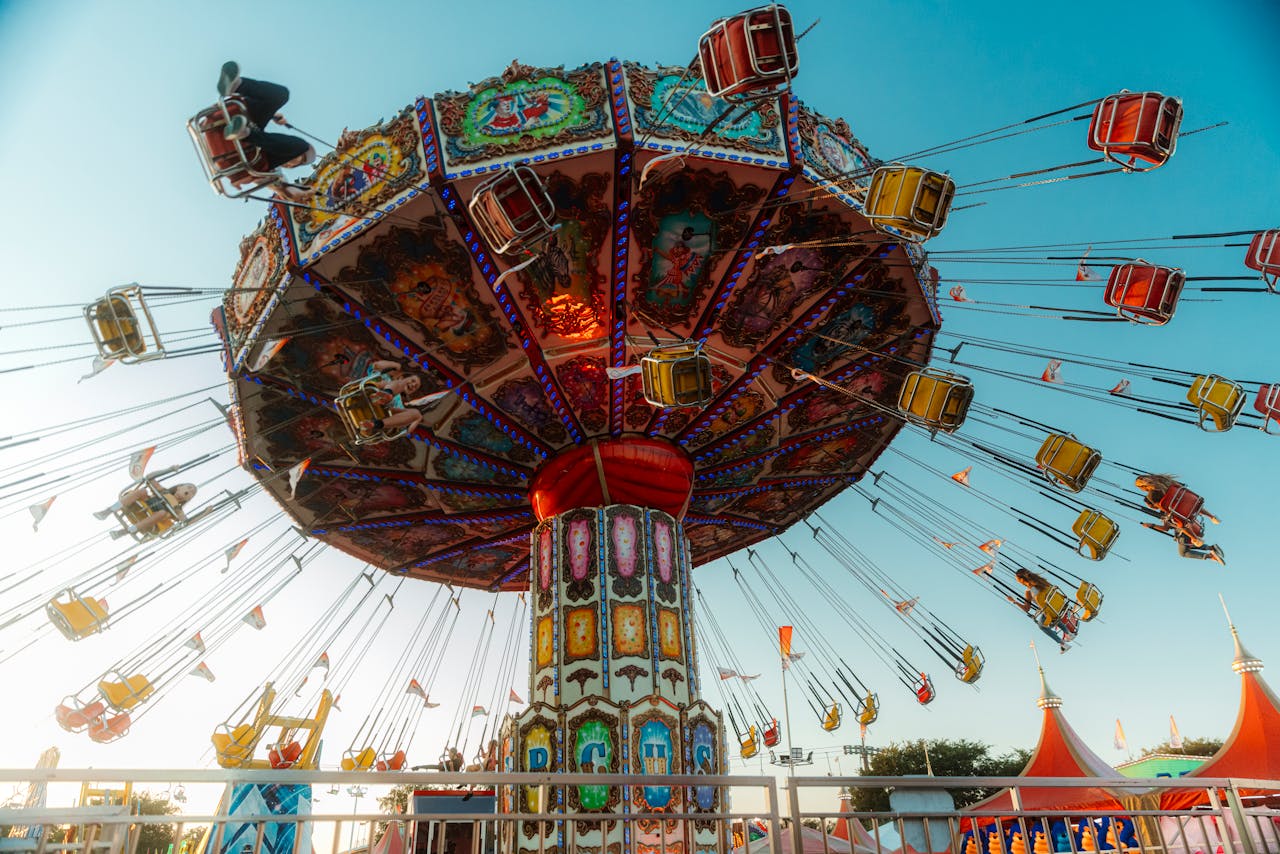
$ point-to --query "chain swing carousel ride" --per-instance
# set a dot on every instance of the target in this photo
(575, 332)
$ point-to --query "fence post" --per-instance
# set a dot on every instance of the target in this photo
(775, 825)
(797, 831)
(1238, 818)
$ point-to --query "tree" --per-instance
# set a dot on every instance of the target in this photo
(155, 838)
(948, 758)
(1190, 747)
(191, 838)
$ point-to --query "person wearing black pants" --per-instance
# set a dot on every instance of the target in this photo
(262, 101)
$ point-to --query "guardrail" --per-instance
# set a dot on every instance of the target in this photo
(1230, 818)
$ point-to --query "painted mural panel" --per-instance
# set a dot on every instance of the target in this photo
(830, 149)
(581, 636)
(675, 105)
(258, 274)
(630, 630)
(595, 751)
(579, 545)
(586, 387)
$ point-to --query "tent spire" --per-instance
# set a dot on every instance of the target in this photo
(1244, 661)
(1047, 699)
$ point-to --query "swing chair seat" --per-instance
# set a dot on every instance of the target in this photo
(232, 167)
(1267, 403)
(104, 730)
(869, 710)
(391, 761)
(123, 328)
(1183, 508)
(935, 399)
(157, 501)
(749, 55)
(1066, 461)
(284, 755)
(970, 666)
(676, 375)
(1264, 256)
(771, 734)
(513, 210)
(356, 403)
(1218, 400)
(78, 617)
(831, 721)
(125, 692)
(1096, 533)
(1090, 599)
(73, 715)
(233, 746)
(1144, 293)
(911, 200)
(924, 690)
(748, 747)
(359, 760)
(1132, 126)
(1051, 605)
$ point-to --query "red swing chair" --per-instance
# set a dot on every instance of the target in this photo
(1144, 293)
(749, 55)
(1183, 509)
(1264, 256)
(1136, 126)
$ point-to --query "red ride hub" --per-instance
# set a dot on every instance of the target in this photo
(635, 470)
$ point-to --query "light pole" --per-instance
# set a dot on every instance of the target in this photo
(356, 792)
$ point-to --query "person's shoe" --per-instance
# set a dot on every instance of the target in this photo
(238, 127)
(102, 514)
(229, 78)
(1215, 554)
(1063, 647)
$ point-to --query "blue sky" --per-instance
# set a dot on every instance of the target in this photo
(102, 188)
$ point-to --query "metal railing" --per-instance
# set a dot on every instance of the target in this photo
(1229, 818)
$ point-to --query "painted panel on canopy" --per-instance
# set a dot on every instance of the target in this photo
(820, 456)
(284, 430)
(473, 430)
(421, 282)
(731, 477)
(563, 292)
(744, 446)
(258, 274)
(830, 149)
(585, 386)
(704, 538)
(525, 110)
(685, 222)
(524, 400)
(671, 104)
(397, 546)
(489, 563)
(345, 498)
(745, 407)
(825, 407)
(460, 502)
(368, 169)
(780, 287)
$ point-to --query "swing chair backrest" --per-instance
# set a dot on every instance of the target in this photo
(869, 710)
(676, 375)
(122, 326)
(749, 55)
(935, 399)
(232, 167)
(136, 511)
(359, 760)
(74, 715)
(748, 747)
(1090, 599)
(355, 404)
(1183, 508)
(1067, 461)
(233, 746)
(125, 692)
(1218, 400)
(772, 735)
(1264, 256)
(78, 617)
(831, 721)
(1144, 293)
(911, 200)
(284, 754)
(1131, 126)
(1096, 534)
(513, 210)
(970, 666)
(1267, 403)
(924, 690)
(104, 730)
(1051, 604)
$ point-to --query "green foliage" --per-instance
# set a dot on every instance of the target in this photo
(155, 838)
(948, 758)
(1190, 747)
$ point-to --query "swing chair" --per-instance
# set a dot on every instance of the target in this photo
(1132, 126)
(157, 501)
(357, 402)
(79, 616)
(1218, 400)
(937, 400)
(750, 55)
(1264, 256)
(923, 689)
(1089, 598)
(868, 710)
(284, 753)
(1066, 461)
(233, 169)
(359, 760)
(1267, 403)
(676, 375)
(1183, 509)
(969, 668)
(123, 328)
(391, 761)
(233, 746)
(772, 735)
(747, 747)
(105, 730)
(1096, 534)
(912, 201)
(1051, 605)
(1144, 293)
(831, 720)
(513, 210)
(75, 715)
(124, 692)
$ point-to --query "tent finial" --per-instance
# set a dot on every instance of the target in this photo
(1244, 662)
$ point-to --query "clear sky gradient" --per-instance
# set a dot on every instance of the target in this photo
(102, 188)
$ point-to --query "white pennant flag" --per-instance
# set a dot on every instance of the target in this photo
(1175, 737)
(791, 659)
(195, 642)
(269, 350)
(1121, 387)
(138, 462)
(1052, 372)
(958, 294)
(122, 568)
(39, 511)
(416, 689)
(202, 670)
(622, 373)
(295, 475)
(322, 662)
(99, 365)
(232, 552)
(256, 618)
(430, 398)
(514, 697)
(991, 547)
(726, 673)
(745, 678)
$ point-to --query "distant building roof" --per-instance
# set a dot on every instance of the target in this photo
(1161, 765)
